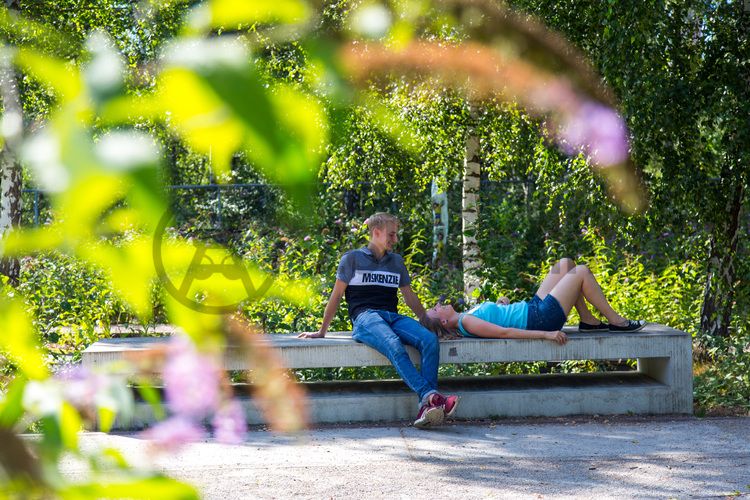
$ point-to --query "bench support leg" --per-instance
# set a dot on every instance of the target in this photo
(676, 372)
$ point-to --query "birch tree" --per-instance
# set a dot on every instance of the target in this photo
(10, 177)
(469, 211)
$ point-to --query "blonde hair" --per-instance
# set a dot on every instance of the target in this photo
(439, 329)
(380, 220)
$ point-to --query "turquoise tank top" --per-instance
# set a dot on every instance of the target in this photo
(511, 316)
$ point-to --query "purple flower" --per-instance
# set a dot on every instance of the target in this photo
(599, 131)
(80, 386)
(174, 432)
(338, 221)
(307, 238)
(191, 380)
(229, 423)
(353, 229)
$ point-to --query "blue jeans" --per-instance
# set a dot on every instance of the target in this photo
(387, 333)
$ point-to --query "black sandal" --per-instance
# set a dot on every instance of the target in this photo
(630, 326)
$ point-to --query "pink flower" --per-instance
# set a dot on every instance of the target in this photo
(191, 380)
(366, 222)
(80, 386)
(338, 221)
(229, 423)
(174, 432)
(599, 131)
(307, 238)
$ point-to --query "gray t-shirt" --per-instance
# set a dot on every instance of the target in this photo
(372, 284)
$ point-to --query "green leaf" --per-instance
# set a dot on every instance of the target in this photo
(151, 396)
(138, 156)
(11, 408)
(105, 418)
(52, 439)
(245, 96)
(235, 14)
(285, 130)
(222, 106)
(25, 241)
(70, 425)
(200, 117)
(130, 268)
(18, 339)
(116, 456)
(149, 488)
(61, 76)
(390, 124)
(131, 109)
(19, 30)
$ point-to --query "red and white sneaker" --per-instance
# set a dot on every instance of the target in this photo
(449, 403)
(429, 415)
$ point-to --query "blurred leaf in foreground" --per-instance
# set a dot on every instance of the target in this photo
(18, 339)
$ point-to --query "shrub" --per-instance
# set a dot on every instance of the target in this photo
(725, 380)
(69, 300)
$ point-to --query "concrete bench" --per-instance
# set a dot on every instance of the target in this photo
(662, 383)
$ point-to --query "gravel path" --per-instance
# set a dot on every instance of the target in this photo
(597, 458)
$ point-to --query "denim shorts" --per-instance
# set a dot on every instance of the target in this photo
(546, 315)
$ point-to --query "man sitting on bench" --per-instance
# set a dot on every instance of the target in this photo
(369, 278)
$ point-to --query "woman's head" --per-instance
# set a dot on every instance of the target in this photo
(441, 320)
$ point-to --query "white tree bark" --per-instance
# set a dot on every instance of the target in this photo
(6, 195)
(469, 213)
(10, 211)
(11, 127)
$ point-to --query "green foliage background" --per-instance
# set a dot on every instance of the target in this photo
(537, 205)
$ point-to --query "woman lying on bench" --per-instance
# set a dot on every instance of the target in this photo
(566, 286)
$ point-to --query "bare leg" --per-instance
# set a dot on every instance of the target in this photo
(580, 283)
(557, 273)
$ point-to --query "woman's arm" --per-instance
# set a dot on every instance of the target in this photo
(482, 328)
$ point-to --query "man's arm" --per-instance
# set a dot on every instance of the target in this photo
(330, 311)
(412, 301)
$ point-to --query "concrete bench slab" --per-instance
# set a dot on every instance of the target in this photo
(661, 384)
(338, 349)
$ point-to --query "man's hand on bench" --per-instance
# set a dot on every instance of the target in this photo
(312, 335)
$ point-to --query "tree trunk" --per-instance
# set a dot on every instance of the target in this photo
(10, 212)
(718, 296)
(10, 171)
(469, 213)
